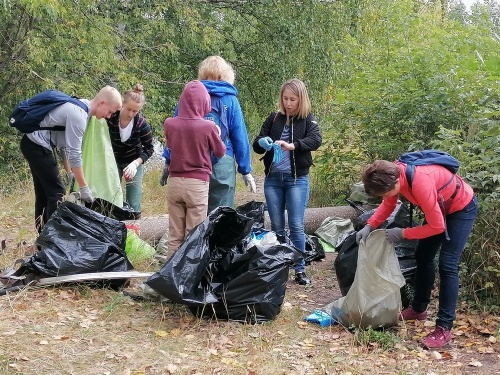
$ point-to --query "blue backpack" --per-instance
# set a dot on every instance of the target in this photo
(218, 114)
(428, 157)
(28, 114)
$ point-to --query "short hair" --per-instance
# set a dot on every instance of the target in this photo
(110, 95)
(380, 177)
(298, 88)
(136, 94)
(215, 68)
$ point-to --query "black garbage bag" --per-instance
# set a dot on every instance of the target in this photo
(254, 210)
(213, 273)
(113, 211)
(250, 285)
(314, 249)
(400, 218)
(345, 263)
(78, 240)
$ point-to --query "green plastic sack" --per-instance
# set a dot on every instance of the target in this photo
(137, 250)
(99, 165)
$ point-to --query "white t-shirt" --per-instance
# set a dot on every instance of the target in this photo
(126, 132)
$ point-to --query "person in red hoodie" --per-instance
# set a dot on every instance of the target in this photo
(450, 209)
(191, 138)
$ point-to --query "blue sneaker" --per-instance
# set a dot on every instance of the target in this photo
(320, 317)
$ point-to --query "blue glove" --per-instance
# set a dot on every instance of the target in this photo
(320, 317)
(277, 153)
(266, 143)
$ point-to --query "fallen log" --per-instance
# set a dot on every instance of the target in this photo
(152, 228)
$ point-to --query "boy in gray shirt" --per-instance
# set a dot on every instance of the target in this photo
(37, 148)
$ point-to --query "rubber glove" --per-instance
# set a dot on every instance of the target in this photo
(130, 170)
(394, 235)
(266, 143)
(362, 235)
(86, 194)
(320, 317)
(249, 181)
(165, 174)
(277, 153)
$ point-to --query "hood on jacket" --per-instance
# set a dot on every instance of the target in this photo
(194, 101)
(220, 88)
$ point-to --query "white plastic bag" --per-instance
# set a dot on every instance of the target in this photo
(374, 298)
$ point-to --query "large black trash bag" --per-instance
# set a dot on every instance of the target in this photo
(119, 213)
(254, 210)
(345, 263)
(314, 249)
(78, 240)
(213, 273)
(183, 278)
(250, 284)
(399, 218)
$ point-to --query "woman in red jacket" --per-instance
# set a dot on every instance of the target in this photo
(450, 210)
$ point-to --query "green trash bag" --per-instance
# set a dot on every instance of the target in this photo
(137, 250)
(99, 165)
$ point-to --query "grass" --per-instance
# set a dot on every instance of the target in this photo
(75, 329)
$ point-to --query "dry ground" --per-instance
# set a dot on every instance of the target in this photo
(79, 330)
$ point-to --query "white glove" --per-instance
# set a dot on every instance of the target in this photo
(130, 170)
(249, 181)
(86, 194)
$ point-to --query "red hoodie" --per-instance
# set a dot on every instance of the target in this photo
(424, 193)
(190, 137)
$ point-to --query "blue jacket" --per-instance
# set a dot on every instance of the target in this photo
(238, 145)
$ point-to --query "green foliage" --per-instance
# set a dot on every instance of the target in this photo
(380, 339)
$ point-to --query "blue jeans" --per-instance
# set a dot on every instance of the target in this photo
(133, 188)
(459, 225)
(282, 192)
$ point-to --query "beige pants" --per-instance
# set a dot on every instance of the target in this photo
(187, 207)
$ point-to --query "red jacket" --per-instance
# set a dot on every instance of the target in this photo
(427, 179)
(190, 137)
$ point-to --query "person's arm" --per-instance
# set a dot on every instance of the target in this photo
(238, 136)
(312, 139)
(216, 144)
(424, 193)
(146, 137)
(383, 211)
(265, 131)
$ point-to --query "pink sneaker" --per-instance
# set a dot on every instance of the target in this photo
(410, 314)
(437, 338)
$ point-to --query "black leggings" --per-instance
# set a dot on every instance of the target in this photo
(49, 188)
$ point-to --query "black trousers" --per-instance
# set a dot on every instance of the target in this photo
(49, 189)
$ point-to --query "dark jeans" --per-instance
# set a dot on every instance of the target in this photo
(49, 188)
(459, 225)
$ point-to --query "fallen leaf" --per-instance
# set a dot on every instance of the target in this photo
(476, 364)
(161, 333)
(44, 342)
(436, 355)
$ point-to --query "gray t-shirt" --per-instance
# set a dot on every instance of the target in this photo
(75, 120)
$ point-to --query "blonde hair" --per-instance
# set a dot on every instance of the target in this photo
(135, 95)
(110, 95)
(298, 87)
(215, 68)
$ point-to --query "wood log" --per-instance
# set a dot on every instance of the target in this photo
(152, 228)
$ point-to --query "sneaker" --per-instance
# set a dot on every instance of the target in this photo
(437, 338)
(410, 314)
(302, 279)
